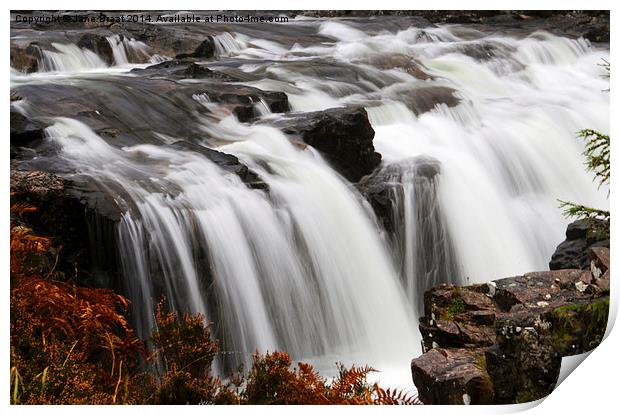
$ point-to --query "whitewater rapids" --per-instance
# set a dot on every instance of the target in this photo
(305, 267)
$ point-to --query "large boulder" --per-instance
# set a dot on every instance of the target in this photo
(580, 236)
(25, 59)
(413, 182)
(24, 130)
(421, 97)
(384, 188)
(385, 61)
(206, 49)
(458, 317)
(99, 45)
(343, 135)
(523, 325)
(76, 216)
(452, 377)
(170, 39)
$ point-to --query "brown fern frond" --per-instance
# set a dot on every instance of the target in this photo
(395, 397)
(22, 208)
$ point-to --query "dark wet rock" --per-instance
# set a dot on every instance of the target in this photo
(200, 71)
(343, 135)
(24, 130)
(598, 32)
(241, 99)
(167, 107)
(163, 69)
(423, 98)
(99, 45)
(484, 50)
(66, 212)
(398, 61)
(413, 182)
(348, 78)
(226, 162)
(380, 194)
(112, 109)
(452, 377)
(182, 69)
(168, 40)
(580, 236)
(25, 59)
(383, 188)
(523, 324)
(206, 49)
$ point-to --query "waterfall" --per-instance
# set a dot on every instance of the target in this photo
(421, 245)
(127, 50)
(68, 57)
(477, 133)
(226, 44)
(504, 151)
(261, 108)
(306, 250)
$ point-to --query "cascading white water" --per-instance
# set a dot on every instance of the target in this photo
(505, 150)
(261, 108)
(127, 50)
(226, 44)
(68, 57)
(301, 267)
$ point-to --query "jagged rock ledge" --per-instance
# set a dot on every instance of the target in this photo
(343, 135)
(502, 342)
(73, 215)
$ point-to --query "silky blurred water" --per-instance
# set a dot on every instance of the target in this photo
(305, 267)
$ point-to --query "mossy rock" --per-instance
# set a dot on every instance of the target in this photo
(455, 307)
(579, 328)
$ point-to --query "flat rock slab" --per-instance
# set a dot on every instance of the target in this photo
(542, 289)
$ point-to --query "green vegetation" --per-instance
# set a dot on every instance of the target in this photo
(580, 325)
(455, 306)
(597, 154)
